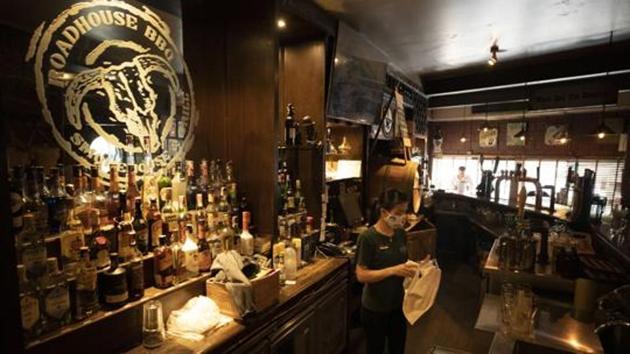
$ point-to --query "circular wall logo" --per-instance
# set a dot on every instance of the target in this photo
(105, 70)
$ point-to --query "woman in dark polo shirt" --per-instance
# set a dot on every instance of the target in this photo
(381, 258)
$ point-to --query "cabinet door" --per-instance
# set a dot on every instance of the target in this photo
(331, 318)
(299, 338)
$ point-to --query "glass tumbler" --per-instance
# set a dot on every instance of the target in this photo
(152, 324)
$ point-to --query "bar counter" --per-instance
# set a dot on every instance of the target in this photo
(304, 309)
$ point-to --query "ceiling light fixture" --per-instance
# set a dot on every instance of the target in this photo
(281, 23)
(493, 56)
(523, 132)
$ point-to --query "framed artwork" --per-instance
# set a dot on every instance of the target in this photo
(556, 134)
(488, 138)
(511, 130)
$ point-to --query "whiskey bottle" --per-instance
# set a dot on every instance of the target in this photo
(135, 273)
(201, 222)
(191, 186)
(169, 214)
(100, 248)
(289, 126)
(114, 282)
(33, 203)
(99, 199)
(30, 308)
(205, 255)
(154, 222)
(140, 227)
(132, 188)
(32, 251)
(56, 202)
(16, 193)
(191, 254)
(179, 260)
(227, 233)
(216, 240)
(86, 302)
(247, 239)
(125, 235)
(163, 264)
(113, 195)
(211, 213)
(56, 295)
(72, 239)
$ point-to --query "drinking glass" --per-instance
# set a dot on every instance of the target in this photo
(152, 324)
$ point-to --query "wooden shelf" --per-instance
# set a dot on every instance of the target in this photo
(151, 293)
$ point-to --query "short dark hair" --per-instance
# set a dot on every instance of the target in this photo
(462, 168)
(388, 200)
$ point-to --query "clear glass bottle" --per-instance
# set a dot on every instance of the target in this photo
(179, 260)
(114, 280)
(86, 303)
(32, 251)
(56, 298)
(247, 239)
(30, 307)
(191, 254)
(140, 227)
(163, 264)
(72, 239)
(135, 273)
(125, 235)
(179, 184)
(130, 142)
(290, 262)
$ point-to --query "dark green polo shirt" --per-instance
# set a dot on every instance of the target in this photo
(376, 251)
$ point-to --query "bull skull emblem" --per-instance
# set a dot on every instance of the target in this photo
(130, 89)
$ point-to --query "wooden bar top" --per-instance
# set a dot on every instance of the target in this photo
(307, 277)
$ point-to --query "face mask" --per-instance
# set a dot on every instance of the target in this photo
(395, 221)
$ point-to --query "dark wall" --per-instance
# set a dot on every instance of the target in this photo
(582, 143)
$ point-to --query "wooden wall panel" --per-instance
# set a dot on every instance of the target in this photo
(582, 143)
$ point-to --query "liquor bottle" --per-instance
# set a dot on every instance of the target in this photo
(30, 308)
(290, 196)
(289, 126)
(203, 179)
(140, 227)
(33, 203)
(99, 197)
(114, 282)
(130, 142)
(179, 183)
(16, 193)
(211, 213)
(100, 248)
(86, 302)
(205, 255)
(179, 261)
(224, 206)
(32, 251)
(230, 183)
(135, 273)
(132, 188)
(56, 202)
(169, 214)
(81, 200)
(163, 264)
(227, 233)
(56, 298)
(290, 262)
(72, 239)
(150, 186)
(191, 186)
(215, 180)
(201, 223)
(191, 254)
(113, 195)
(247, 239)
(154, 222)
(300, 203)
(164, 182)
(125, 235)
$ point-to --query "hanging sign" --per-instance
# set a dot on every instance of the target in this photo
(106, 69)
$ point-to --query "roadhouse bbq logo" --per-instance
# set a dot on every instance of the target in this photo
(107, 69)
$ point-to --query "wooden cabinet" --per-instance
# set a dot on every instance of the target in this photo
(331, 322)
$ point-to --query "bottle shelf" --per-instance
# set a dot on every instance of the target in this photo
(151, 293)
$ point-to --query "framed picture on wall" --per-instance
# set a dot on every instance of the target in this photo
(511, 130)
(488, 138)
(556, 134)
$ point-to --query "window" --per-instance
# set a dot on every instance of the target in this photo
(552, 172)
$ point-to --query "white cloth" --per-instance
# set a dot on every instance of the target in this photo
(421, 290)
(199, 315)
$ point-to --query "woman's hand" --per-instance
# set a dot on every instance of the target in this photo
(403, 270)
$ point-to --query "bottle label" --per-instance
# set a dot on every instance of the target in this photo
(71, 243)
(124, 239)
(156, 231)
(116, 298)
(29, 306)
(290, 202)
(57, 302)
(87, 279)
(137, 276)
(165, 261)
(34, 259)
(142, 237)
(191, 261)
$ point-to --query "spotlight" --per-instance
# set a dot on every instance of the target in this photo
(563, 140)
(336, 60)
(281, 23)
(603, 130)
(462, 139)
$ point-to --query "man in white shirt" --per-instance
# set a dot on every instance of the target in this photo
(462, 183)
